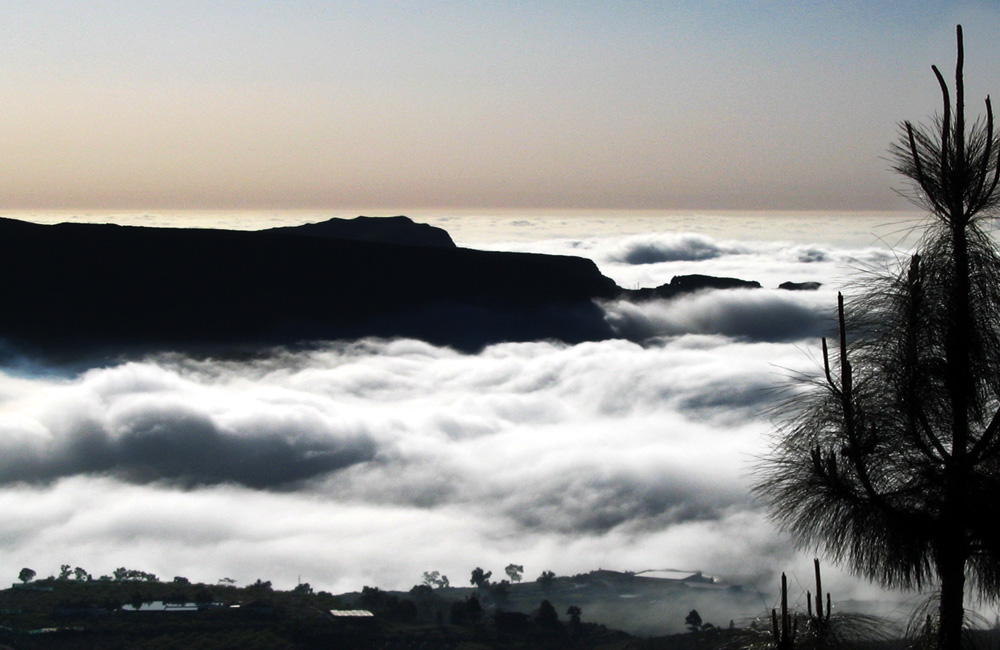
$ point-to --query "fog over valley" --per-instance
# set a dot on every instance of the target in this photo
(368, 462)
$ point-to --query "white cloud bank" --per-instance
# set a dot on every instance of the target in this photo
(755, 314)
(649, 260)
(371, 462)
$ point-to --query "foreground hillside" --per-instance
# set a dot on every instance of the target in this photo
(136, 611)
(133, 609)
(148, 614)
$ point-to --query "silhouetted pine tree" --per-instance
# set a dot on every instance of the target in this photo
(891, 460)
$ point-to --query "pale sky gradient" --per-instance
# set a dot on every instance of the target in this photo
(417, 105)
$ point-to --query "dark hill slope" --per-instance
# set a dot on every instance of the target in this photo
(387, 230)
(83, 287)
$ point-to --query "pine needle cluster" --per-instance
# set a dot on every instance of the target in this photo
(890, 460)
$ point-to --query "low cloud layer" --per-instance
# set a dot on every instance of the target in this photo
(649, 260)
(752, 314)
(672, 247)
(144, 423)
(613, 448)
(370, 462)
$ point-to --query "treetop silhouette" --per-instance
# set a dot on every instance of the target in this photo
(890, 460)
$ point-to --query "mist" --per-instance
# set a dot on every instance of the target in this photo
(652, 259)
(397, 457)
(371, 461)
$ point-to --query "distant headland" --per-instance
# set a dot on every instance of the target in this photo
(99, 288)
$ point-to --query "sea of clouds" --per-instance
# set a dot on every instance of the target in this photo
(368, 462)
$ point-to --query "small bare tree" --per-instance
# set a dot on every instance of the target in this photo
(891, 460)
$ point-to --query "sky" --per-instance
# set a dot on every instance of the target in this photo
(369, 462)
(417, 105)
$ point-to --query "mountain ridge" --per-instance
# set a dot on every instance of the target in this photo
(74, 287)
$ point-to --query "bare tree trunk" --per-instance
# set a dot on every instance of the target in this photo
(951, 570)
(952, 551)
(958, 342)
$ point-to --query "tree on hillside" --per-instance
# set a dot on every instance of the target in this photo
(574, 612)
(546, 579)
(464, 612)
(480, 578)
(500, 592)
(122, 574)
(693, 621)
(546, 614)
(435, 579)
(26, 575)
(891, 460)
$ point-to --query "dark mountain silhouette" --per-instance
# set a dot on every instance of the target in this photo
(83, 289)
(800, 286)
(387, 230)
(90, 287)
(682, 284)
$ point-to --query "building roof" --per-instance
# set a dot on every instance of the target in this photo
(351, 613)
